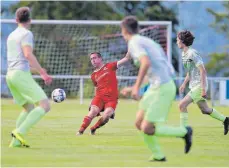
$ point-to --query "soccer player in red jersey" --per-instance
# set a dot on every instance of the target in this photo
(106, 91)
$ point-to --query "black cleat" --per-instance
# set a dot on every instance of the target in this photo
(112, 116)
(92, 131)
(188, 139)
(226, 125)
(158, 160)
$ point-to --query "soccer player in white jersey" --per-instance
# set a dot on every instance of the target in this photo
(24, 89)
(198, 84)
(156, 101)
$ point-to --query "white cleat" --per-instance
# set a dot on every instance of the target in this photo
(79, 133)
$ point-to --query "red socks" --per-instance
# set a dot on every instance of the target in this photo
(86, 122)
(98, 124)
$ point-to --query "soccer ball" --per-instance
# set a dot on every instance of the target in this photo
(58, 95)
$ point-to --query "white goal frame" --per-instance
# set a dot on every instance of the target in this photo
(168, 25)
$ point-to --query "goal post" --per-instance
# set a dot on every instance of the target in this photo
(62, 47)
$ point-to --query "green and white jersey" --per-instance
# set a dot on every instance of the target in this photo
(191, 60)
(16, 40)
(160, 71)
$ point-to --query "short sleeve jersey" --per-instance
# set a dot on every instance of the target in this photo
(191, 60)
(160, 71)
(16, 40)
(105, 81)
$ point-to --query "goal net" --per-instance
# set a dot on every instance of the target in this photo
(62, 47)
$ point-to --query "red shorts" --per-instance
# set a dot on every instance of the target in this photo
(102, 104)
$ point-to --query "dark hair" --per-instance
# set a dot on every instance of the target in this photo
(23, 14)
(97, 53)
(130, 23)
(186, 37)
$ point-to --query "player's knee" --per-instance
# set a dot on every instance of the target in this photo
(108, 113)
(205, 110)
(93, 112)
(182, 106)
(45, 105)
(148, 129)
(28, 107)
(138, 125)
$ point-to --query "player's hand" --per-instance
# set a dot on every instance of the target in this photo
(125, 91)
(182, 88)
(135, 93)
(47, 78)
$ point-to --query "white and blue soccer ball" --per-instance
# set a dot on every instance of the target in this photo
(58, 95)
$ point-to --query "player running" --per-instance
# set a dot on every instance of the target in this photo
(156, 101)
(26, 92)
(106, 91)
(198, 84)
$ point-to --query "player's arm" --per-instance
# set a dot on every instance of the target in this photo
(126, 90)
(182, 87)
(33, 70)
(124, 60)
(34, 64)
(94, 83)
(186, 79)
(203, 76)
(144, 66)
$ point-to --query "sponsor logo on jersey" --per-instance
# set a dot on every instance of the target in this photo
(100, 77)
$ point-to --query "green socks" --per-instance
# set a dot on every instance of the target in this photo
(22, 116)
(184, 119)
(215, 114)
(153, 145)
(163, 130)
(33, 117)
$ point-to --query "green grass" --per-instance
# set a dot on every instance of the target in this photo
(118, 144)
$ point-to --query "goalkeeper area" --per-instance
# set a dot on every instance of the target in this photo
(118, 144)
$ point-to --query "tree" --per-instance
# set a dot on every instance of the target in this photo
(219, 62)
(102, 10)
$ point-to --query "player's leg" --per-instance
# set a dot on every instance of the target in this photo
(106, 115)
(21, 101)
(183, 110)
(150, 141)
(22, 116)
(42, 107)
(202, 104)
(34, 95)
(94, 110)
(160, 101)
(139, 119)
(103, 120)
(95, 107)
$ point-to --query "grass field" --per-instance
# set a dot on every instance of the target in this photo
(118, 144)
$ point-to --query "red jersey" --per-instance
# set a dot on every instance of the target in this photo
(105, 81)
